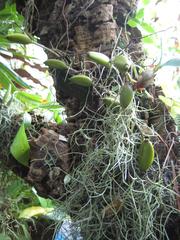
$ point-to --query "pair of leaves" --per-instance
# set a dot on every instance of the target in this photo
(138, 21)
(134, 22)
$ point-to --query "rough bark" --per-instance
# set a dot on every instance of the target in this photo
(73, 28)
(78, 26)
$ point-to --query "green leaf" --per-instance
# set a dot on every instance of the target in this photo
(57, 117)
(148, 40)
(146, 2)
(10, 18)
(8, 11)
(34, 211)
(50, 106)
(174, 62)
(35, 101)
(147, 27)
(13, 76)
(29, 99)
(50, 96)
(5, 81)
(45, 202)
(140, 13)
(20, 147)
(133, 22)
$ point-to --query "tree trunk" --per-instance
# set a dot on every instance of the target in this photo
(74, 28)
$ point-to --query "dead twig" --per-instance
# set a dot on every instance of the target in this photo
(167, 156)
